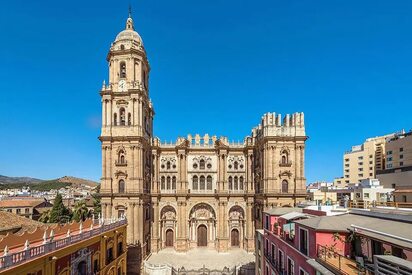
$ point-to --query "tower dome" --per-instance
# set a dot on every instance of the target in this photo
(129, 34)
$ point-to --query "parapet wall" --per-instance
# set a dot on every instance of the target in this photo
(273, 125)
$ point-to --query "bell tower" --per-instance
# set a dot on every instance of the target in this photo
(126, 134)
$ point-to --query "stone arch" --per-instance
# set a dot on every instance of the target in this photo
(200, 210)
(202, 225)
(168, 212)
(236, 212)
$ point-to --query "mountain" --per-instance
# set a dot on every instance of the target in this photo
(44, 185)
(77, 181)
(13, 180)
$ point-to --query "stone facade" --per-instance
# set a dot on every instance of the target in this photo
(198, 190)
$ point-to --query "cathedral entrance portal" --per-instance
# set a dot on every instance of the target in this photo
(202, 235)
(169, 238)
(202, 225)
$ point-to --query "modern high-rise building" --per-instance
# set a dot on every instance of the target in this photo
(199, 191)
(363, 161)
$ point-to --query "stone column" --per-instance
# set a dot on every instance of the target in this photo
(155, 226)
(130, 223)
(109, 113)
(136, 223)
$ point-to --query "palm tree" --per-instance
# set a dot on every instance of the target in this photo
(45, 216)
(80, 211)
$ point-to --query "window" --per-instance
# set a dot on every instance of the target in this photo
(291, 267)
(360, 175)
(122, 69)
(129, 119)
(346, 170)
(194, 165)
(202, 164)
(389, 158)
(168, 183)
(209, 166)
(401, 156)
(241, 183)
(115, 119)
(360, 163)
(168, 165)
(195, 183)
(122, 113)
(280, 259)
(346, 165)
(285, 157)
(209, 182)
(96, 266)
(360, 158)
(163, 182)
(401, 163)
(393, 185)
(121, 157)
(370, 156)
(109, 255)
(303, 241)
(302, 272)
(235, 185)
(397, 252)
(27, 210)
(401, 149)
(370, 174)
(366, 195)
(370, 168)
(346, 160)
(358, 195)
(389, 165)
(273, 252)
(267, 222)
(202, 183)
(230, 183)
(174, 183)
(18, 211)
(389, 153)
(360, 169)
(236, 165)
(285, 186)
(121, 186)
(120, 213)
(370, 162)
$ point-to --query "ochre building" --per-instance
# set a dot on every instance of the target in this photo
(199, 191)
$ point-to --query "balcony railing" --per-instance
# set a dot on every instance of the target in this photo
(285, 164)
(30, 253)
(336, 262)
(120, 163)
(167, 191)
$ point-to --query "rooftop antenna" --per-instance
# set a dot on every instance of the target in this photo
(130, 10)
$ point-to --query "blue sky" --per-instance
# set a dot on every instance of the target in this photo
(217, 67)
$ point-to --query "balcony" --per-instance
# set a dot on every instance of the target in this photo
(339, 264)
(285, 164)
(274, 263)
(18, 256)
(119, 163)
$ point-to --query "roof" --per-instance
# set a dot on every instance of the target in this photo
(403, 190)
(279, 211)
(293, 215)
(20, 203)
(13, 221)
(337, 223)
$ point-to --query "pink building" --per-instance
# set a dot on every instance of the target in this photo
(304, 241)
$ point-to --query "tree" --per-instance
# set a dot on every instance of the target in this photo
(97, 209)
(80, 211)
(59, 213)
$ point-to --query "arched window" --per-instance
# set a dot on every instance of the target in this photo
(236, 186)
(285, 186)
(285, 159)
(209, 183)
(168, 183)
(163, 183)
(202, 183)
(115, 119)
(241, 183)
(122, 69)
(121, 157)
(236, 165)
(202, 164)
(129, 119)
(168, 165)
(195, 183)
(122, 47)
(122, 116)
(174, 183)
(121, 186)
(230, 183)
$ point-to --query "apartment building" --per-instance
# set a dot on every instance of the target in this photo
(363, 161)
(398, 170)
(308, 242)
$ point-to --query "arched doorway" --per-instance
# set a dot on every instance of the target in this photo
(169, 238)
(202, 235)
(234, 238)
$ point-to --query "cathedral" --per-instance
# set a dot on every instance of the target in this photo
(201, 190)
